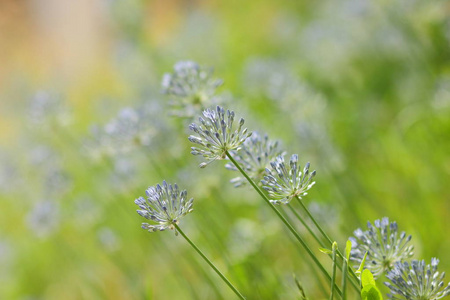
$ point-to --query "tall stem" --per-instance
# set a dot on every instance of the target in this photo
(306, 225)
(328, 239)
(344, 279)
(210, 263)
(334, 248)
(285, 222)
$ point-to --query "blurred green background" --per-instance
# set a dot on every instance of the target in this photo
(359, 88)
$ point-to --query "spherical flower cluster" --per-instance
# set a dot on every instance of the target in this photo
(191, 87)
(284, 182)
(216, 136)
(255, 156)
(47, 110)
(417, 281)
(131, 129)
(165, 205)
(384, 245)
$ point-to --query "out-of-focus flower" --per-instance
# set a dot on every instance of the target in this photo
(191, 87)
(216, 136)
(285, 182)
(49, 165)
(255, 156)
(9, 173)
(108, 239)
(417, 281)
(86, 212)
(43, 219)
(441, 99)
(383, 244)
(48, 109)
(131, 129)
(165, 205)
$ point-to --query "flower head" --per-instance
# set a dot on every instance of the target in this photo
(383, 244)
(285, 182)
(255, 156)
(165, 205)
(130, 129)
(417, 281)
(191, 87)
(216, 136)
(48, 109)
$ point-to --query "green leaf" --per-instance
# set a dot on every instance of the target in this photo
(300, 288)
(361, 266)
(325, 250)
(348, 248)
(367, 278)
(371, 292)
(334, 246)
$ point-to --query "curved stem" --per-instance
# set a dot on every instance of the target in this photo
(210, 263)
(280, 216)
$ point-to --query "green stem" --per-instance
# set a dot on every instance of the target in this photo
(210, 263)
(334, 270)
(328, 239)
(344, 279)
(306, 226)
(280, 216)
(311, 266)
(313, 219)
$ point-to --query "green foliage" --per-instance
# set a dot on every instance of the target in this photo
(369, 290)
(348, 249)
(325, 250)
(300, 289)
(361, 266)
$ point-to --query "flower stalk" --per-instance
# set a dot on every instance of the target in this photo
(285, 222)
(225, 279)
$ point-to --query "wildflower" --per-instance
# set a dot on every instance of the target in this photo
(165, 205)
(132, 128)
(285, 182)
(191, 86)
(108, 239)
(417, 281)
(383, 244)
(216, 135)
(256, 154)
(44, 219)
(48, 110)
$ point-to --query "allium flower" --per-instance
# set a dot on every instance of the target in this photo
(256, 154)
(131, 128)
(417, 281)
(216, 136)
(165, 205)
(191, 87)
(47, 109)
(383, 244)
(285, 182)
(44, 219)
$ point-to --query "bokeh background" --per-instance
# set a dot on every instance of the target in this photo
(359, 88)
